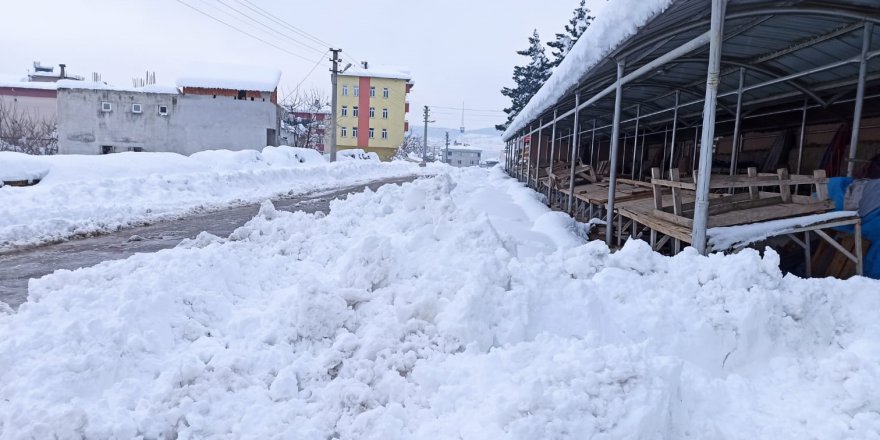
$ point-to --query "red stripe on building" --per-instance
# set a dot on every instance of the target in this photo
(24, 91)
(364, 112)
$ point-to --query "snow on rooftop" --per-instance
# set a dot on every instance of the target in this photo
(263, 79)
(91, 85)
(21, 82)
(615, 21)
(379, 72)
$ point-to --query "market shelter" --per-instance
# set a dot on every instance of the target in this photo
(783, 93)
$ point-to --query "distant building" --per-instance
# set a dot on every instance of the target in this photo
(462, 157)
(372, 109)
(230, 109)
(33, 96)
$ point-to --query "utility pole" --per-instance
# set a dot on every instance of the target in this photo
(446, 154)
(425, 139)
(334, 102)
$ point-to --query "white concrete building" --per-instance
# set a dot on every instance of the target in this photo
(463, 157)
(220, 111)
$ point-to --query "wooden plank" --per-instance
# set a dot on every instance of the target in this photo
(658, 190)
(821, 188)
(784, 189)
(765, 213)
(676, 192)
(753, 191)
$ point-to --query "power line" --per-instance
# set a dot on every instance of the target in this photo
(312, 70)
(250, 5)
(265, 25)
(242, 31)
(470, 109)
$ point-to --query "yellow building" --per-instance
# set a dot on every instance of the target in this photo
(372, 109)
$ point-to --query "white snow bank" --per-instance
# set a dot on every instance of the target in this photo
(728, 237)
(87, 194)
(615, 21)
(413, 313)
(356, 154)
(20, 166)
(233, 77)
(379, 72)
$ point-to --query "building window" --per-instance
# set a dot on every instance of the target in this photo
(372, 132)
(136, 108)
(357, 91)
(372, 112)
(372, 90)
(344, 110)
(385, 92)
(106, 107)
(344, 132)
(354, 132)
(384, 133)
(384, 113)
(354, 111)
(163, 110)
(344, 90)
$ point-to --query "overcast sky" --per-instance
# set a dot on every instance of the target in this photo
(458, 51)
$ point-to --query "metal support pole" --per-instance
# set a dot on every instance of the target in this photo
(701, 205)
(860, 97)
(803, 139)
(674, 130)
(663, 157)
(632, 174)
(574, 148)
(642, 158)
(734, 146)
(593, 146)
(694, 153)
(615, 140)
(538, 154)
(552, 151)
(334, 101)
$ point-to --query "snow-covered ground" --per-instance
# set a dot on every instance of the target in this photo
(81, 195)
(452, 307)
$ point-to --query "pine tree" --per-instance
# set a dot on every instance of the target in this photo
(576, 26)
(528, 78)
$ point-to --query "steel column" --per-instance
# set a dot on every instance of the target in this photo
(735, 145)
(701, 205)
(674, 130)
(538, 155)
(803, 139)
(574, 149)
(663, 157)
(615, 141)
(552, 150)
(635, 142)
(593, 146)
(860, 97)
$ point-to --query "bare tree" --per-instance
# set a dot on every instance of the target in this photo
(307, 117)
(23, 132)
(411, 144)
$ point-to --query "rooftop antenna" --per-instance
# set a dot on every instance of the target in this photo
(462, 117)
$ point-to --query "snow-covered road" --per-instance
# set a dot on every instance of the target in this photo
(452, 307)
(17, 267)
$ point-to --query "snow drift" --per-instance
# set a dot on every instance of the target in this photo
(452, 307)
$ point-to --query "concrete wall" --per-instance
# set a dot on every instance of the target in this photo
(193, 123)
(395, 103)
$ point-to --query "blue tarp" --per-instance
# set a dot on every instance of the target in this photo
(870, 224)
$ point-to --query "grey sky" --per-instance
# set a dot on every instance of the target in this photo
(457, 50)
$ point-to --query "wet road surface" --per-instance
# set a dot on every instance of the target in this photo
(17, 267)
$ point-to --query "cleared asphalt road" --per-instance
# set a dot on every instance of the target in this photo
(17, 267)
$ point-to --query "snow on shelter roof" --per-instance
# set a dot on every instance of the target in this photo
(615, 22)
(379, 72)
(263, 79)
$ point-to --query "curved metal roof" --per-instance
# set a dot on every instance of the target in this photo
(779, 44)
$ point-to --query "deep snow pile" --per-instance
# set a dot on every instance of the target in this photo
(416, 313)
(83, 194)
